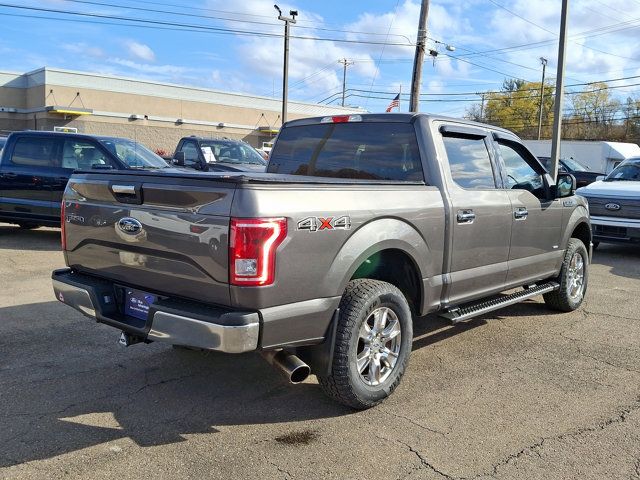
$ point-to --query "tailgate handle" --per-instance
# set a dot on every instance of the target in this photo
(124, 189)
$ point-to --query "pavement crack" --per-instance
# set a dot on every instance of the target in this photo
(611, 364)
(537, 446)
(413, 422)
(423, 460)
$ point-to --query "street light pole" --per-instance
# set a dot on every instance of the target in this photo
(544, 68)
(345, 63)
(557, 121)
(285, 73)
(419, 57)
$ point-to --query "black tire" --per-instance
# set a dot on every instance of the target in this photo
(360, 300)
(562, 299)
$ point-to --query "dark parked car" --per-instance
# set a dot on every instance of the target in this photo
(218, 155)
(584, 176)
(35, 168)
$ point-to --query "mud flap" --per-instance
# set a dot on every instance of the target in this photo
(320, 357)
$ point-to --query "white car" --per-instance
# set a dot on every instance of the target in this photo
(614, 204)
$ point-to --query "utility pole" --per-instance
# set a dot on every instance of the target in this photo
(345, 63)
(419, 57)
(482, 95)
(285, 73)
(557, 121)
(544, 68)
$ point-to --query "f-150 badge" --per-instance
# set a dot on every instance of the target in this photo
(316, 224)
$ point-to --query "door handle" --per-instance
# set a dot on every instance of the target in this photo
(466, 216)
(10, 175)
(521, 213)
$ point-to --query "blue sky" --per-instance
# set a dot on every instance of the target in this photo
(493, 39)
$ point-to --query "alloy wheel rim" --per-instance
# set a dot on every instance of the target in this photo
(378, 348)
(575, 278)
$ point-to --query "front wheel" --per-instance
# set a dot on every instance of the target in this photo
(373, 343)
(572, 279)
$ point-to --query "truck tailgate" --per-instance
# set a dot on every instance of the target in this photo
(165, 234)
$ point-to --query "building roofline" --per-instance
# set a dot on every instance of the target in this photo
(47, 69)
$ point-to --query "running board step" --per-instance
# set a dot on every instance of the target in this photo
(458, 315)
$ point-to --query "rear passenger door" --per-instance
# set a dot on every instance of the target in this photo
(537, 221)
(480, 216)
(26, 175)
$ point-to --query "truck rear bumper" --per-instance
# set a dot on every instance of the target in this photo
(169, 321)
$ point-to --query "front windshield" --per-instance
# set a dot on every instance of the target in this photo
(224, 151)
(133, 154)
(574, 165)
(627, 171)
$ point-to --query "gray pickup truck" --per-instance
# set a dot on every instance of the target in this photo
(361, 224)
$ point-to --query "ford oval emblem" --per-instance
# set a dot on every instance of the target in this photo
(613, 206)
(129, 225)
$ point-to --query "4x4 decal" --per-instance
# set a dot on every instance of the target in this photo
(316, 224)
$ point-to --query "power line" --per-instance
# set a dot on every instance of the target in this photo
(198, 27)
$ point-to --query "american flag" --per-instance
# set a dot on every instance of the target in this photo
(395, 103)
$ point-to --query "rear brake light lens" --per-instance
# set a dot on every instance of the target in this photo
(63, 237)
(252, 250)
(341, 119)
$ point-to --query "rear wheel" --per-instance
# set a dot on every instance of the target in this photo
(572, 279)
(373, 343)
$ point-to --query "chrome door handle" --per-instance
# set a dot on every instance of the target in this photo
(521, 213)
(466, 216)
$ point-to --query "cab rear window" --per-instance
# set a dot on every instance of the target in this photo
(365, 151)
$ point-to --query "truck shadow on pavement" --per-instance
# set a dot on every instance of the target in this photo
(67, 386)
(41, 239)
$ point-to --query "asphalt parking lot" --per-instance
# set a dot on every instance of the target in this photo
(525, 393)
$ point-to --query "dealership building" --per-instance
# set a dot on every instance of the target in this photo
(156, 114)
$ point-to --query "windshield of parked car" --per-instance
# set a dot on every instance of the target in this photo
(133, 154)
(626, 171)
(226, 151)
(574, 165)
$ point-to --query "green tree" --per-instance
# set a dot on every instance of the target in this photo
(516, 107)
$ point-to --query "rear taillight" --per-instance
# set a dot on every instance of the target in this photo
(252, 250)
(63, 237)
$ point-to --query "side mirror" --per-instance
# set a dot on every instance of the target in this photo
(178, 159)
(565, 185)
(599, 178)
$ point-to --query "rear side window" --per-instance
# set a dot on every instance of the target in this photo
(367, 151)
(35, 152)
(469, 162)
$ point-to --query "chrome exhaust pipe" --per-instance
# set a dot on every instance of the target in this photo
(289, 364)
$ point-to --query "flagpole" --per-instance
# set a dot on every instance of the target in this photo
(399, 98)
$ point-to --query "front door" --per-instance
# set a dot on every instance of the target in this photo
(537, 222)
(480, 218)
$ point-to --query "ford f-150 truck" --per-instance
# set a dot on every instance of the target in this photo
(361, 224)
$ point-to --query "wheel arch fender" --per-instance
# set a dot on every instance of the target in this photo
(374, 237)
(578, 218)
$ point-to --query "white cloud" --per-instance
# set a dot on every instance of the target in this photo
(84, 49)
(140, 51)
